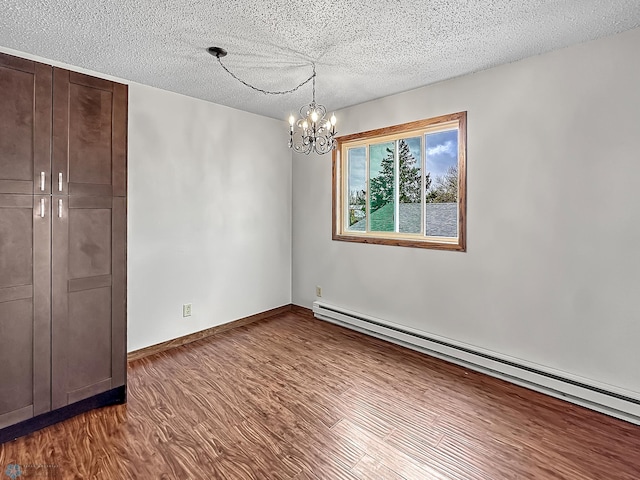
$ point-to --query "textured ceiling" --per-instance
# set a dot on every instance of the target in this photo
(363, 49)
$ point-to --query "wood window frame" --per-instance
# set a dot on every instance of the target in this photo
(404, 130)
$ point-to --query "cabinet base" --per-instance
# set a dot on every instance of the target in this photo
(112, 397)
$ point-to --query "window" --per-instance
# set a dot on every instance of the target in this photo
(403, 185)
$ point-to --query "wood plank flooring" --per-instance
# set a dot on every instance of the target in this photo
(292, 397)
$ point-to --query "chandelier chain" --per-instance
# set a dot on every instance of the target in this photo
(314, 82)
(269, 92)
(312, 132)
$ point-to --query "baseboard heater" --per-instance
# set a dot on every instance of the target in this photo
(604, 398)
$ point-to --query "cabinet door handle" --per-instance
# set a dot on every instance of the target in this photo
(60, 182)
(43, 177)
(60, 208)
(42, 208)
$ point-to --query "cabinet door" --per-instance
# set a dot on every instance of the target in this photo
(25, 126)
(89, 298)
(25, 352)
(89, 135)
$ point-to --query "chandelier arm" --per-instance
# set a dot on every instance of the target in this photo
(269, 92)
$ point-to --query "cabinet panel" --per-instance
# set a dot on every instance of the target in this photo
(24, 307)
(16, 355)
(87, 307)
(25, 126)
(89, 242)
(89, 362)
(16, 246)
(17, 120)
(89, 135)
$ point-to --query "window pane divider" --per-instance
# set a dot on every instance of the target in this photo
(423, 192)
(396, 186)
(368, 193)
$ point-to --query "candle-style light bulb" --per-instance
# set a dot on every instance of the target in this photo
(291, 120)
(333, 119)
(328, 126)
(305, 125)
(314, 116)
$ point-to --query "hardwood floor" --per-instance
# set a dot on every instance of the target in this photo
(292, 397)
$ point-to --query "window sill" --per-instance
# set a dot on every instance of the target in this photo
(434, 243)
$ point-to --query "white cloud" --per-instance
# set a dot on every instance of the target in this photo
(443, 148)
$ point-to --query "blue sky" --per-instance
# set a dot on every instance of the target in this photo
(357, 169)
(442, 152)
(441, 149)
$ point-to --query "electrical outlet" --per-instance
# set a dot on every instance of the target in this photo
(186, 310)
(318, 291)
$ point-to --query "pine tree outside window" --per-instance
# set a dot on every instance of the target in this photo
(403, 185)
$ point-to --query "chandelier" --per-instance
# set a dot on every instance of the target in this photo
(312, 131)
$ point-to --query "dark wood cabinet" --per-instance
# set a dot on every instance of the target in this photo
(88, 286)
(25, 126)
(89, 135)
(63, 141)
(25, 321)
(88, 235)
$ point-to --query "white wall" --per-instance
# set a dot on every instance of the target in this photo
(209, 215)
(552, 270)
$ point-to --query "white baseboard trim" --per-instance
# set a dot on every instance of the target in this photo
(604, 398)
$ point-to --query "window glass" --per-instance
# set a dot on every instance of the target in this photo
(441, 208)
(410, 198)
(357, 189)
(382, 179)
